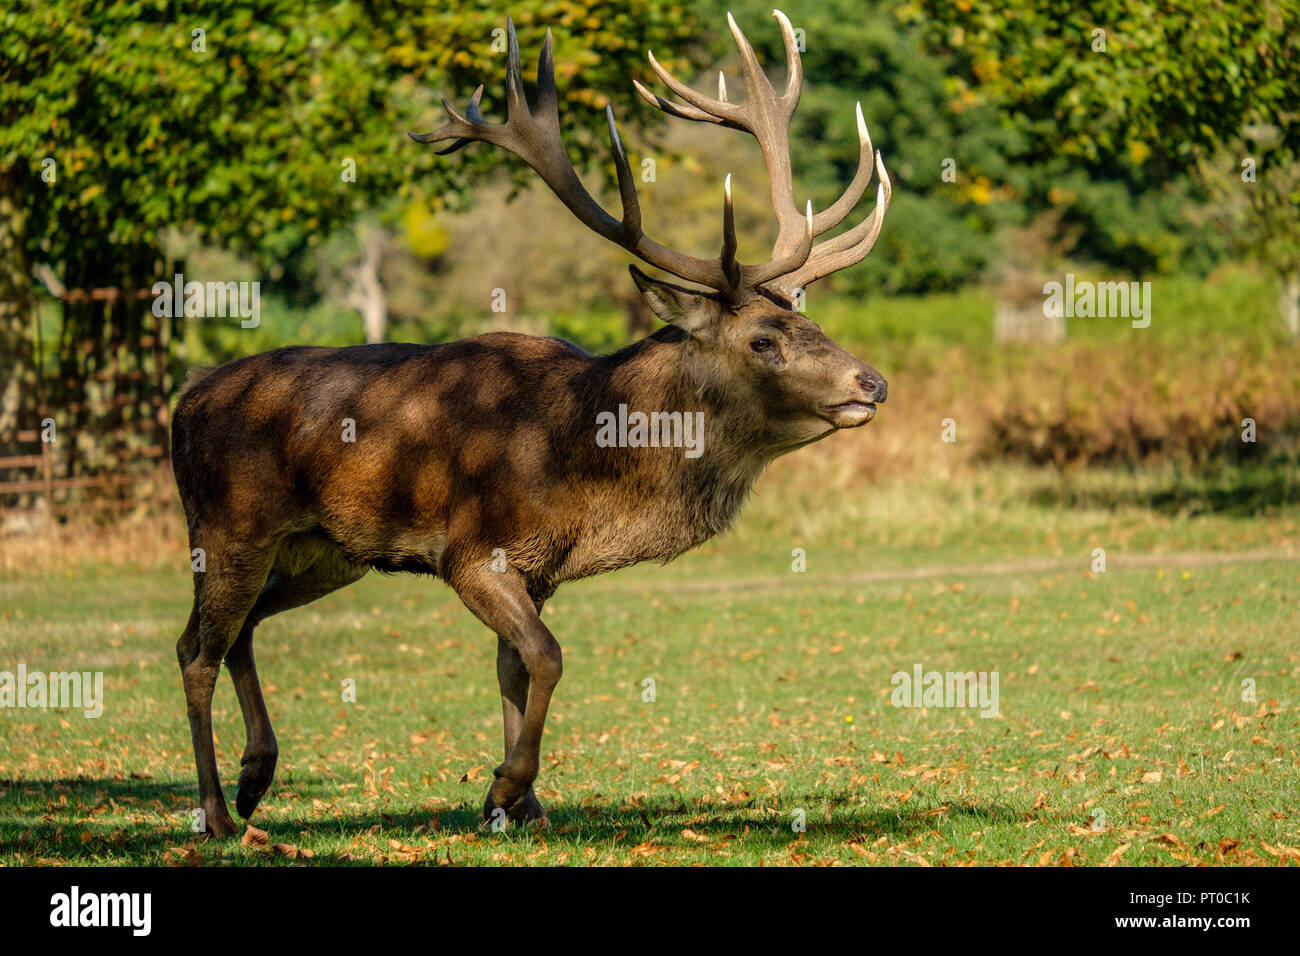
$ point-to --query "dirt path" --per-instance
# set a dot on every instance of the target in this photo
(1114, 562)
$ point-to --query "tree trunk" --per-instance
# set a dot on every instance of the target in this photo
(17, 374)
(1289, 303)
(367, 295)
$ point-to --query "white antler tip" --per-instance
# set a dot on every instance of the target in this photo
(726, 185)
(736, 33)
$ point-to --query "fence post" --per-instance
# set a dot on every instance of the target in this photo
(47, 478)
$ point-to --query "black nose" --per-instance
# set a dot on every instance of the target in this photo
(874, 385)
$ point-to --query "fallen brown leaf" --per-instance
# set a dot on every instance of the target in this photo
(1117, 853)
(187, 855)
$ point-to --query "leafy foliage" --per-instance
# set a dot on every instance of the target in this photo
(965, 166)
(1169, 77)
(1110, 93)
(243, 131)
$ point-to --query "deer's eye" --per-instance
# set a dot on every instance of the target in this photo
(760, 345)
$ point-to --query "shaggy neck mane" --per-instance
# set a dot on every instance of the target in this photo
(670, 372)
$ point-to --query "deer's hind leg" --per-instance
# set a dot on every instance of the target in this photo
(223, 595)
(303, 572)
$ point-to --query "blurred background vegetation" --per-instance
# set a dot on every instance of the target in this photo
(1131, 141)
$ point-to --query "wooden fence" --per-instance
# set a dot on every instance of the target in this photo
(93, 437)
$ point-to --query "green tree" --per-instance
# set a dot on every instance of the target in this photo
(1101, 78)
(261, 126)
(1148, 97)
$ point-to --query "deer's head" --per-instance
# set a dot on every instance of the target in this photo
(748, 337)
(795, 384)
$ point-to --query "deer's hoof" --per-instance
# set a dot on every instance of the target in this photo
(529, 810)
(254, 780)
(247, 799)
(524, 809)
(219, 824)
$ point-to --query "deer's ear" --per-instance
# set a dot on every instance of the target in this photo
(690, 311)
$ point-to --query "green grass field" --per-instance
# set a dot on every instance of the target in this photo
(1122, 734)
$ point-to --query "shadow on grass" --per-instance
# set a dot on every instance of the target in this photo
(74, 821)
(628, 825)
(1245, 490)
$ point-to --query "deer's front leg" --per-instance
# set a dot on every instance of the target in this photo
(512, 677)
(501, 601)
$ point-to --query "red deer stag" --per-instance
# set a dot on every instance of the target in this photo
(492, 462)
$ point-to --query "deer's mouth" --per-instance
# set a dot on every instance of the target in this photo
(849, 414)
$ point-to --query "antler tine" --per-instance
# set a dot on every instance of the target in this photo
(846, 249)
(456, 122)
(515, 98)
(863, 236)
(727, 259)
(680, 110)
(758, 88)
(834, 214)
(548, 100)
(472, 110)
(705, 109)
(794, 64)
(626, 184)
(713, 107)
(767, 118)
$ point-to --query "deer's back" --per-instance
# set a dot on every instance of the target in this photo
(383, 449)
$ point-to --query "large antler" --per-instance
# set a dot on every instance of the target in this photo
(766, 115)
(533, 134)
